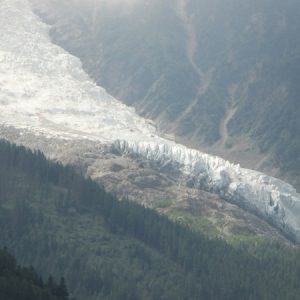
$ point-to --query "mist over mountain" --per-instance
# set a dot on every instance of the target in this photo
(219, 76)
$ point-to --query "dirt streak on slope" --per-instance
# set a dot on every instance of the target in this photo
(191, 34)
(191, 47)
(224, 134)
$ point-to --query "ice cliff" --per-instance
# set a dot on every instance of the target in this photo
(45, 90)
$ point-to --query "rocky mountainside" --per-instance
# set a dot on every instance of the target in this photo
(220, 76)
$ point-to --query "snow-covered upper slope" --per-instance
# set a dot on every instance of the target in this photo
(44, 89)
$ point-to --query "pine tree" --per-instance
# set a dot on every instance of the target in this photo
(61, 290)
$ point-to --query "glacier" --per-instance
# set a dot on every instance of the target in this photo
(44, 90)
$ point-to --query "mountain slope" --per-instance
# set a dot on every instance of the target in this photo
(49, 103)
(60, 222)
(222, 77)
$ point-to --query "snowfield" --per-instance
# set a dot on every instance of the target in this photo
(44, 89)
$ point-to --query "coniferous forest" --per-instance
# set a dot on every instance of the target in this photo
(19, 283)
(64, 224)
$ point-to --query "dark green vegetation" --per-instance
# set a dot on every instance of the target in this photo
(64, 224)
(243, 56)
(19, 283)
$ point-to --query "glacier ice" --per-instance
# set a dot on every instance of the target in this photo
(268, 197)
(45, 90)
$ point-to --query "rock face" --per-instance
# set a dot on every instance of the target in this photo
(221, 76)
(49, 103)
